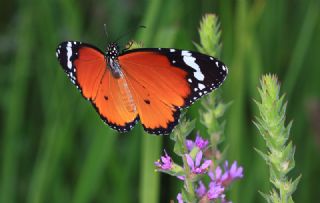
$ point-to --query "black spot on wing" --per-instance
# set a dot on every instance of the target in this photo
(147, 101)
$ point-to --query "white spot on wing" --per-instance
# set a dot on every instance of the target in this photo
(201, 86)
(190, 61)
(69, 54)
(225, 69)
(172, 50)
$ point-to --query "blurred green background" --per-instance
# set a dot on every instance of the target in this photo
(53, 146)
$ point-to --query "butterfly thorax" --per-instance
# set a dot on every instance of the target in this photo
(111, 56)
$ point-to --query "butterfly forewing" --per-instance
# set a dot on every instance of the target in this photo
(84, 65)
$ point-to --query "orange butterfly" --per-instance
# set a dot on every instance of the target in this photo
(147, 84)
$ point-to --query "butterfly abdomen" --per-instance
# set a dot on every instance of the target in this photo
(126, 95)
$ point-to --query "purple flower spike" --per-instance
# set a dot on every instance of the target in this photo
(165, 163)
(196, 166)
(179, 198)
(201, 190)
(215, 191)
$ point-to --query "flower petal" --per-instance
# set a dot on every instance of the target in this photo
(206, 164)
(201, 190)
(218, 173)
(179, 198)
(198, 158)
(189, 144)
(190, 161)
(211, 175)
(215, 191)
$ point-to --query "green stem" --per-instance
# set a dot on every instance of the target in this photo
(188, 184)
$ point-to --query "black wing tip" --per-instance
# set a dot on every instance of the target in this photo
(213, 80)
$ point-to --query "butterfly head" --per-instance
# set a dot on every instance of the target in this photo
(112, 50)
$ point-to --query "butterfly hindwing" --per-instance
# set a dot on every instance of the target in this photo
(113, 106)
(157, 115)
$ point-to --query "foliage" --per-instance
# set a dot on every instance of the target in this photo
(54, 148)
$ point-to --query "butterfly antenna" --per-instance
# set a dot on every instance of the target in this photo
(129, 32)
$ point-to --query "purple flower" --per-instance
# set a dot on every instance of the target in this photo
(228, 176)
(201, 190)
(215, 191)
(196, 166)
(235, 171)
(231, 174)
(199, 142)
(179, 198)
(216, 174)
(165, 163)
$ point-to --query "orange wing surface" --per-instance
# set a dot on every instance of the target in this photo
(159, 89)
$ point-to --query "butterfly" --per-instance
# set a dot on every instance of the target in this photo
(147, 84)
